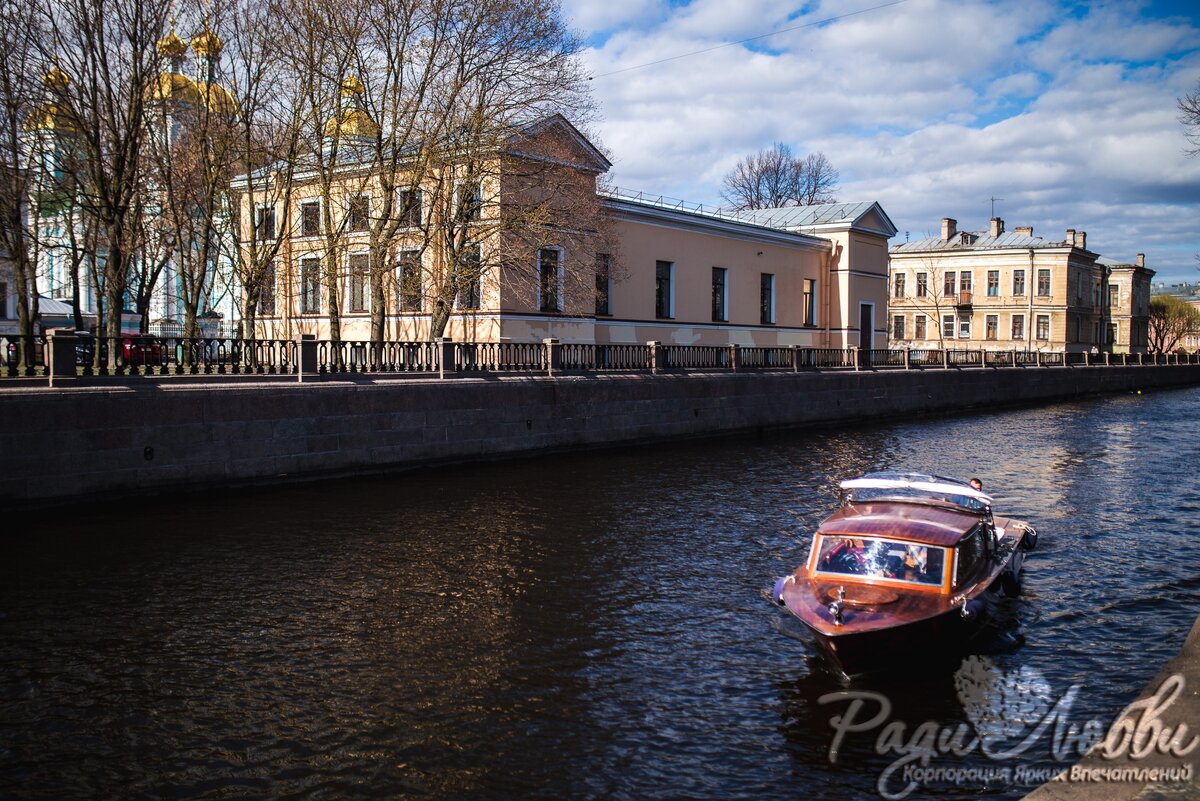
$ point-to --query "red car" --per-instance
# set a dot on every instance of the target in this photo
(140, 349)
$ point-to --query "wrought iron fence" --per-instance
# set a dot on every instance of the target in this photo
(147, 355)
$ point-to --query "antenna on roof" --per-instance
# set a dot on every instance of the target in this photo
(994, 199)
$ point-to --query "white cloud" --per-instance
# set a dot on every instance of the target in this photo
(925, 106)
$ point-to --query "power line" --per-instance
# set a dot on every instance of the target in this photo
(743, 41)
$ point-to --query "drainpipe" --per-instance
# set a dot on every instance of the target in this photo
(1030, 284)
(826, 290)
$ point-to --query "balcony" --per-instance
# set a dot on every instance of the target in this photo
(964, 298)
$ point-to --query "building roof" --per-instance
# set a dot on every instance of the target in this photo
(825, 216)
(974, 240)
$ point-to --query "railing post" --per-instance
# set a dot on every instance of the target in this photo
(1087, 359)
(446, 365)
(854, 356)
(1107, 359)
(553, 355)
(658, 356)
(907, 357)
(1038, 358)
(60, 366)
(795, 358)
(1014, 357)
(306, 350)
(735, 357)
(945, 358)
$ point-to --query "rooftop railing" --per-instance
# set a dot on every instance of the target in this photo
(64, 355)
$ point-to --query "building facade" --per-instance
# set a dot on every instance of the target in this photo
(548, 255)
(998, 290)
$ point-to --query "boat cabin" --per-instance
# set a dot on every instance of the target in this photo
(908, 531)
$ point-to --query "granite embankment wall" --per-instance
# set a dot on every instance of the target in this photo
(148, 436)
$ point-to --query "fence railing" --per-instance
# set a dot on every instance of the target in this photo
(64, 354)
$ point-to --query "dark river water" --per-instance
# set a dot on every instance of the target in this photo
(572, 627)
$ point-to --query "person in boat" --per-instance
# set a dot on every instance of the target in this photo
(976, 484)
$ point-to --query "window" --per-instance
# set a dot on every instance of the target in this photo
(310, 285)
(603, 283)
(1043, 286)
(919, 327)
(359, 214)
(408, 268)
(766, 299)
(264, 225)
(1018, 282)
(470, 278)
(948, 326)
(1114, 297)
(1043, 326)
(3, 300)
(409, 201)
(266, 293)
(965, 281)
(991, 324)
(810, 301)
(1018, 326)
(898, 327)
(993, 283)
(898, 290)
(1112, 333)
(948, 284)
(548, 280)
(664, 293)
(360, 267)
(310, 219)
(720, 308)
(964, 327)
(879, 558)
(922, 285)
(470, 200)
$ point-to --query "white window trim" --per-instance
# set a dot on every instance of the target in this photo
(725, 296)
(560, 278)
(370, 206)
(1024, 331)
(953, 328)
(812, 304)
(773, 319)
(964, 318)
(870, 334)
(300, 218)
(987, 318)
(1037, 324)
(400, 204)
(458, 294)
(366, 282)
(303, 294)
(670, 294)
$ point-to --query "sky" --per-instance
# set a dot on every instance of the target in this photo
(1065, 112)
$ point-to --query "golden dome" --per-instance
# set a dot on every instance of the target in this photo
(207, 44)
(217, 98)
(56, 79)
(172, 87)
(171, 46)
(352, 86)
(49, 117)
(353, 122)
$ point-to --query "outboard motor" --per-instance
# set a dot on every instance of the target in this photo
(1030, 539)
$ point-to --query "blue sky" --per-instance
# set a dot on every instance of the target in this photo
(1065, 111)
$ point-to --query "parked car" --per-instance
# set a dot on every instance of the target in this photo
(141, 349)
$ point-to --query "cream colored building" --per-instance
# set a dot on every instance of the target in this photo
(1001, 290)
(645, 269)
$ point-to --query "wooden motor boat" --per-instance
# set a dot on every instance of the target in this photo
(908, 567)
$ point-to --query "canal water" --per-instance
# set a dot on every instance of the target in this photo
(573, 627)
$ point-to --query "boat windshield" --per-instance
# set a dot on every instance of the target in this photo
(877, 557)
(912, 487)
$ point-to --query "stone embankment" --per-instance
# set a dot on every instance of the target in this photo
(141, 436)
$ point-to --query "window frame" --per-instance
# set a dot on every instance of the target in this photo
(556, 282)
(1016, 331)
(1044, 281)
(358, 280)
(897, 327)
(1018, 282)
(664, 289)
(921, 327)
(809, 299)
(922, 285)
(476, 288)
(766, 298)
(408, 302)
(310, 291)
(991, 327)
(720, 294)
(952, 320)
(993, 283)
(603, 284)
(353, 209)
(898, 288)
(1039, 320)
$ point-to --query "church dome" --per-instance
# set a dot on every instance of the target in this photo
(207, 44)
(171, 46)
(171, 87)
(351, 122)
(51, 116)
(217, 98)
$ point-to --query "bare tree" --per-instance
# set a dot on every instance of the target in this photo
(1189, 116)
(22, 116)
(107, 48)
(1171, 319)
(775, 177)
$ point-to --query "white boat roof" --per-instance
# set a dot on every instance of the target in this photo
(934, 488)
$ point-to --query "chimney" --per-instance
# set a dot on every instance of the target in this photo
(1081, 240)
(997, 227)
(1141, 260)
(1070, 240)
(1025, 230)
(949, 228)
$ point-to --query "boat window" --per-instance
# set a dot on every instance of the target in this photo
(875, 557)
(865, 494)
